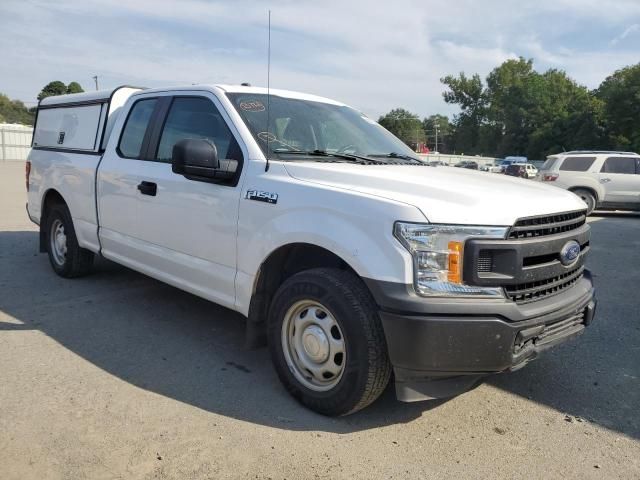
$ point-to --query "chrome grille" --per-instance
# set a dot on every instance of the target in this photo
(547, 225)
(531, 291)
(527, 264)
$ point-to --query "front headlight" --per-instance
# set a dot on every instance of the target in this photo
(438, 255)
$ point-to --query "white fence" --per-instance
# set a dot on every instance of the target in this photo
(15, 141)
(455, 159)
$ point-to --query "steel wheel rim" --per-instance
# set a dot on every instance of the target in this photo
(313, 345)
(58, 242)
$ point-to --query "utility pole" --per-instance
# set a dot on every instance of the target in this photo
(436, 127)
(95, 78)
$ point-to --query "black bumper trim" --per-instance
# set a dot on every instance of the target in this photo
(431, 338)
(435, 346)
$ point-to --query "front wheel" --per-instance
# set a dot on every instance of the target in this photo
(588, 198)
(67, 258)
(327, 343)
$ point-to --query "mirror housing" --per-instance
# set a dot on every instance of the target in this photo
(197, 159)
(194, 156)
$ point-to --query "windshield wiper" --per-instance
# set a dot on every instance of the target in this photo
(397, 155)
(322, 153)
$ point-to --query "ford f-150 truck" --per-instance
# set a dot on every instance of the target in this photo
(347, 255)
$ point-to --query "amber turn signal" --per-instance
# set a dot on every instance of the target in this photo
(455, 262)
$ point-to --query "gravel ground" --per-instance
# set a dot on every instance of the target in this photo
(119, 376)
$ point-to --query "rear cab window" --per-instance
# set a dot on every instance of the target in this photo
(622, 165)
(69, 127)
(577, 164)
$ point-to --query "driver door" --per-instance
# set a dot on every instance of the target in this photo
(188, 227)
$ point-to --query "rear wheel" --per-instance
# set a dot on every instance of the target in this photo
(327, 343)
(67, 258)
(588, 198)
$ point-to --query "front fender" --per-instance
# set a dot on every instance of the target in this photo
(356, 227)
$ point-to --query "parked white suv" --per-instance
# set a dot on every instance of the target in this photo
(604, 180)
(349, 256)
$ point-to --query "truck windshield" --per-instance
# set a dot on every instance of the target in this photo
(303, 129)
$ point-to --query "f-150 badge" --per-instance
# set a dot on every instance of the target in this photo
(261, 196)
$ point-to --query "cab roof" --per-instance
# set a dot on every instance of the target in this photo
(249, 90)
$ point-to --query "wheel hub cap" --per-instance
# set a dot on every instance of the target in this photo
(315, 343)
(58, 242)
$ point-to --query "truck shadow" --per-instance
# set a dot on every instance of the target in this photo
(172, 343)
(164, 340)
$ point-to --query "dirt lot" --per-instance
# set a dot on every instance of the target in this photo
(119, 376)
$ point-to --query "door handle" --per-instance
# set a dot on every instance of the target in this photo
(605, 180)
(148, 188)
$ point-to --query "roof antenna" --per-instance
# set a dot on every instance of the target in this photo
(266, 167)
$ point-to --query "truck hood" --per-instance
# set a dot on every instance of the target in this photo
(444, 194)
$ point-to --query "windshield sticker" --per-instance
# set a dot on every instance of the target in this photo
(266, 136)
(252, 106)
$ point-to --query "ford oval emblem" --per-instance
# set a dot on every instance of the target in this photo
(570, 252)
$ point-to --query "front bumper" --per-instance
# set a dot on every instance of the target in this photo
(437, 339)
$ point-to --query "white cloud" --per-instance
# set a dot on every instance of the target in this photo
(632, 29)
(371, 54)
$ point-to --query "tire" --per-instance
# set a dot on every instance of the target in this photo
(588, 198)
(340, 310)
(67, 258)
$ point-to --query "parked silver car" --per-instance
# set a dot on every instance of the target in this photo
(604, 180)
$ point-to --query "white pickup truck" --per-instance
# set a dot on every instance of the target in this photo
(347, 255)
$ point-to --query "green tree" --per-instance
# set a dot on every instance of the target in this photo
(74, 87)
(14, 111)
(524, 112)
(404, 125)
(52, 88)
(513, 92)
(620, 94)
(565, 115)
(469, 94)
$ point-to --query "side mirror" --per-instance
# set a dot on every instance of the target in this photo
(197, 159)
(195, 156)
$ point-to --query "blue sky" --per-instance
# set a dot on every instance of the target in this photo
(372, 55)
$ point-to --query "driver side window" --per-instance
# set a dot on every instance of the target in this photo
(196, 117)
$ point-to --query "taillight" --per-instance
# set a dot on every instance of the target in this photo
(549, 177)
(27, 172)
